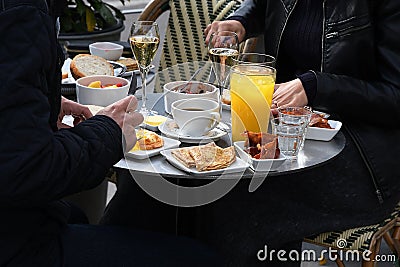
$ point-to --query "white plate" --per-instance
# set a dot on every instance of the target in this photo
(238, 166)
(226, 107)
(118, 68)
(258, 164)
(144, 154)
(323, 134)
(129, 73)
(171, 129)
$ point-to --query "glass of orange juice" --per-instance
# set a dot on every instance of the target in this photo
(252, 87)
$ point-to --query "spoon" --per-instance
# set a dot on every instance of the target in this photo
(187, 83)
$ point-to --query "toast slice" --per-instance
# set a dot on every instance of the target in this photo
(129, 63)
(83, 65)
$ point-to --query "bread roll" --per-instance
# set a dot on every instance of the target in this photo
(83, 65)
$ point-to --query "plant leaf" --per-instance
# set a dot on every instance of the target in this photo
(107, 15)
(117, 12)
(80, 7)
(90, 20)
(95, 4)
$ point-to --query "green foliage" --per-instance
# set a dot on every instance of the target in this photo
(91, 15)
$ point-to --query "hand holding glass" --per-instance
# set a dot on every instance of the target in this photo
(223, 50)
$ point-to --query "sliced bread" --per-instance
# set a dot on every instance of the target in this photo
(83, 65)
(129, 63)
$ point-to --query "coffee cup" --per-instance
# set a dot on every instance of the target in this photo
(197, 116)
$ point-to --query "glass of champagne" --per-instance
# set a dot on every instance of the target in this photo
(223, 50)
(144, 41)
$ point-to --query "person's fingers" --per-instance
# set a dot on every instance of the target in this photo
(123, 104)
(211, 28)
(61, 125)
(133, 119)
(207, 30)
(132, 105)
(208, 36)
(274, 112)
(86, 112)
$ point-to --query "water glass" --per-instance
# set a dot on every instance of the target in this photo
(295, 116)
(290, 137)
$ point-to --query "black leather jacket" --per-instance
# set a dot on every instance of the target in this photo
(38, 165)
(359, 79)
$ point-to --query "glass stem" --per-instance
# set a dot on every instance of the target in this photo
(143, 74)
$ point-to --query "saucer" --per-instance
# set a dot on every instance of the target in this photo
(170, 128)
(226, 106)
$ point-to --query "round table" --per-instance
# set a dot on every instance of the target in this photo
(313, 154)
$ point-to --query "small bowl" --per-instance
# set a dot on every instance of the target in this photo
(170, 95)
(324, 134)
(101, 96)
(262, 165)
(106, 50)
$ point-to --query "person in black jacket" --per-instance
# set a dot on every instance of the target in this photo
(40, 163)
(341, 57)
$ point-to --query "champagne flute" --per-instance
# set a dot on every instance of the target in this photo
(144, 41)
(223, 50)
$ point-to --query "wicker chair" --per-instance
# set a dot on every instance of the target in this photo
(184, 39)
(363, 238)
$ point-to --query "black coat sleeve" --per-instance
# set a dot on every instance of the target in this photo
(36, 164)
(253, 16)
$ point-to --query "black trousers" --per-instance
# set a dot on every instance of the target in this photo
(97, 245)
(280, 213)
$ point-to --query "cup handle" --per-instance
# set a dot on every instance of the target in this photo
(215, 117)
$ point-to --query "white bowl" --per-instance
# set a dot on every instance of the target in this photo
(323, 134)
(262, 165)
(171, 96)
(106, 50)
(101, 96)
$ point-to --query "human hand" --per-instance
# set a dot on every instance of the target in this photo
(226, 25)
(78, 111)
(289, 94)
(123, 113)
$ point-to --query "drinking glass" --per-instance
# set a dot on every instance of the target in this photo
(256, 58)
(252, 87)
(223, 50)
(144, 41)
(290, 137)
(296, 116)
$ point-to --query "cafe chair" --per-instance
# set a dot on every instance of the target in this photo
(363, 238)
(184, 38)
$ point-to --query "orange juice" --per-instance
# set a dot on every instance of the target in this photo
(252, 87)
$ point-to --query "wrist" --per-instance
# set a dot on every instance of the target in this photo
(309, 82)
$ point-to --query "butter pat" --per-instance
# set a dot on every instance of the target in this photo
(155, 120)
